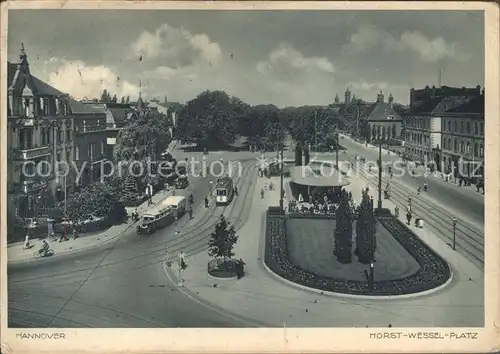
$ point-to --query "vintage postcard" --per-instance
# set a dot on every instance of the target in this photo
(249, 177)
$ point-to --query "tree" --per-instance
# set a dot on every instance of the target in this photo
(127, 101)
(105, 96)
(210, 120)
(123, 100)
(222, 240)
(343, 231)
(298, 155)
(365, 231)
(114, 99)
(96, 200)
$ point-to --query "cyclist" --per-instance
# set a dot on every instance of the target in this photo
(45, 248)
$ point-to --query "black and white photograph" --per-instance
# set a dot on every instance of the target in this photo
(181, 167)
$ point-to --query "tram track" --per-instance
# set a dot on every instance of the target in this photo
(437, 219)
(197, 242)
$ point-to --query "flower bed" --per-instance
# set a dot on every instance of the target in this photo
(434, 271)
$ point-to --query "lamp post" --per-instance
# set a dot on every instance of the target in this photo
(454, 221)
(379, 206)
(315, 132)
(372, 270)
(337, 151)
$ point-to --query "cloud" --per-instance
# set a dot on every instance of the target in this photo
(80, 80)
(177, 46)
(286, 62)
(429, 49)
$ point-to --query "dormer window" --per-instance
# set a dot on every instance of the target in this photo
(390, 117)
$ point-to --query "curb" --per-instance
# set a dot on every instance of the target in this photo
(343, 295)
(30, 260)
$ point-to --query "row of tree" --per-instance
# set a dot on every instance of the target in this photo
(106, 97)
(365, 231)
(215, 119)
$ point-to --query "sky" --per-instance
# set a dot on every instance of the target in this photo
(286, 58)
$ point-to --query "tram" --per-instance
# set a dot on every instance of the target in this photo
(224, 191)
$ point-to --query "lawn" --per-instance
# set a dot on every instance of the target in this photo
(310, 246)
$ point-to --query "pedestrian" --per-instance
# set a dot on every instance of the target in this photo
(27, 242)
(182, 266)
(236, 190)
(240, 268)
(76, 231)
(262, 193)
(396, 212)
(408, 218)
(190, 212)
(63, 234)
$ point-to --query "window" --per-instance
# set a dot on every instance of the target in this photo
(27, 107)
(98, 124)
(475, 128)
(461, 127)
(481, 150)
(449, 125)
(455, 126)
(475, 149)
(468, 148)
(68, 155)
(482, 128)
(46, 106)
(59, 135)
(468, 127)
(455, 144)
(68, 134)
(58, 156)
(449, 143)
(91, 152)
(77, 152)
(102, 147)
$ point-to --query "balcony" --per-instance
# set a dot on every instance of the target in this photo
(33, 153)
(30, 185)
(92, 129)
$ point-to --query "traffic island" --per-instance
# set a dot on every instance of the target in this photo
(300, 249)
(224, 268)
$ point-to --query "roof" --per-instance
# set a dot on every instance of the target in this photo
(173, 200)
(316, 176)
(87, 107)
(474, 106)
(380, 111)
(157, 209)
(117, 112)
(223, 181)
(427, 107)
(36, 85)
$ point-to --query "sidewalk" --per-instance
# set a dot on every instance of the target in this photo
(17, 254)
(467, 190)
(264, 297)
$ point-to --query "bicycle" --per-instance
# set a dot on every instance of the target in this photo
(41, 254)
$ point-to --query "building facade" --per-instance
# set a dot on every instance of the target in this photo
(90, 144)
(39, 136)
(463, 138)
(384, 122)
(424, 126)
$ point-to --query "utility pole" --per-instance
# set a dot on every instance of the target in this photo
(281, 181)
(337, 151)
(379, 206)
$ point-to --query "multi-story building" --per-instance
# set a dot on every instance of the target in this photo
(90, 144)
(419, 97)
(463, 137)
(117, 115)
(423, 127)
(39, 135)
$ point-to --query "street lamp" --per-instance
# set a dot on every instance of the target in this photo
(337, 150)
(454, 221)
